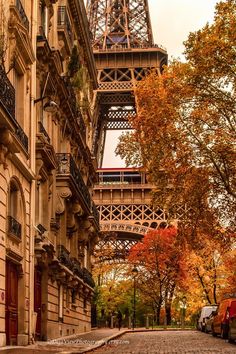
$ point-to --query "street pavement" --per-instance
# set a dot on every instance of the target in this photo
(168, 342)
(113, 341)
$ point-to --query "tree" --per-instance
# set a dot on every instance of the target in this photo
(185, 123)
(159, 257)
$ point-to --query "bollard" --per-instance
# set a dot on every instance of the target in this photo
(112, 324)
(129, 322)
(147, 322)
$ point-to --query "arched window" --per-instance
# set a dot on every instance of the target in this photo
(15, 211)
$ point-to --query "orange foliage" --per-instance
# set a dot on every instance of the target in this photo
(160, 258)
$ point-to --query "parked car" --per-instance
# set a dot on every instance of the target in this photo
(209, 321)
(225, 314)
(232, 329)
(206, 311)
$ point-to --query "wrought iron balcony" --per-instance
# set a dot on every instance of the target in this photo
(63, 24)
(44, 132)
(95, 213)
(82, 126)
(87, 277)
(22, 14)
(7, 94)
(71, 96)
(64, 256)
(22, 137)
(67, 166)
(14, 227)
(74, 265)
(77, 270)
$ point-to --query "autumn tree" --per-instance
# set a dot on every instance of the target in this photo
(185, 125)
(159, 257)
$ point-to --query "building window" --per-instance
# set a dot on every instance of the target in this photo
(18, 83)
(60, 307)
(67, 298)
(73, 297)
(85, 303)
(15, 212)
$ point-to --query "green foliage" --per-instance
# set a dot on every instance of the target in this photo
(74, 63)
(78, 79)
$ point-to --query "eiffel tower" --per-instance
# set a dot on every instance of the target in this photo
(124, 53)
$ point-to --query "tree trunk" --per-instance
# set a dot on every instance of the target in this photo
(168, 302)
(158, 313)
(168, 314)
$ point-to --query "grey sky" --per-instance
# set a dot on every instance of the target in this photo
(172, 20)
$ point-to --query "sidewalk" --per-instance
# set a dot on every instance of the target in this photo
(80, 343)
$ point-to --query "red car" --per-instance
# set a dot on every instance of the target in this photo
(223, 316)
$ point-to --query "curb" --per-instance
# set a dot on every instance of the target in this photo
(99, 344)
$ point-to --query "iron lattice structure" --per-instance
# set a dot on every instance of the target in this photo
(123, 198)
(124, 53)
(120, 23)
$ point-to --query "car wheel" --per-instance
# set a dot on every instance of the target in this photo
(229, 337)
(223, 333)
(213, 332)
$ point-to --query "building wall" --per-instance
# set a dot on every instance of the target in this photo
(48, 222)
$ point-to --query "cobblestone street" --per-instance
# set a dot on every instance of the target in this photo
(143, 342)
(172, 342)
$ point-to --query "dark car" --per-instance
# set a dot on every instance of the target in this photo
(232, 328)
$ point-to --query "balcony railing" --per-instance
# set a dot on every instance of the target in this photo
(23, 138)
(82, 126)
(44, 132)
(63, 256)
(95, 213)
(24, 18)
(7, 93)
(64, 22)
(87, 277)
(77, 268)
(74, 265)
(67, 166)
(71, 96)
(14, 227)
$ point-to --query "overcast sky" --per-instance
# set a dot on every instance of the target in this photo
(172, 20)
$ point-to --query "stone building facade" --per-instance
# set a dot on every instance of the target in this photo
(48, 221)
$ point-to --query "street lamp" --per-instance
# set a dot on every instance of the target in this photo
(135, 273)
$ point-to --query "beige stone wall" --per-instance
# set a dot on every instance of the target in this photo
(76, 319)
(53, 207)
(17, 252)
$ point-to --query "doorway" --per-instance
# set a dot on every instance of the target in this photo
(11, 309)
(38, 301)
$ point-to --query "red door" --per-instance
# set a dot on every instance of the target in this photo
(38, 300)
(11, 319)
